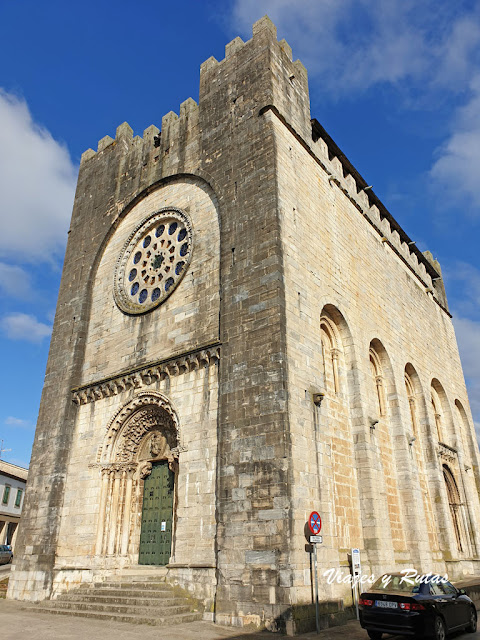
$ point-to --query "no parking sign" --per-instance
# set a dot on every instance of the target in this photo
(315, 523)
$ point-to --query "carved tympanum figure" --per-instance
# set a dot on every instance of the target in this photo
(158, 445)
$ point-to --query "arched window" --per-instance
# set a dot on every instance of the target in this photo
(333, 427)
(417, 413)
(437, 414)
(412, 404)
(384, 403)
(330, 354)
(454, 503)
(466, 434)
(442, 414)
(378, 381)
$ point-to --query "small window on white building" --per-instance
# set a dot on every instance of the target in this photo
(18, 499)
(6, 494)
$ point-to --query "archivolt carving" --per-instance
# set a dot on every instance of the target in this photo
(142, 432)
(147, 412)
(143, 421)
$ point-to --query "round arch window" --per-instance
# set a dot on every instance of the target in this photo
(153, 261)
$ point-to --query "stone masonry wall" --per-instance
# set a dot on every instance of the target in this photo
(334, 256)
(193, 395)
(188, 319)
(122, 171)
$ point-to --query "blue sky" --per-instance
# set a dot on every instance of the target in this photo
(395, 83)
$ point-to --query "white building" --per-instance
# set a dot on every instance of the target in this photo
(13, 481)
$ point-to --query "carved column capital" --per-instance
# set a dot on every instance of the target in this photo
(145, 469)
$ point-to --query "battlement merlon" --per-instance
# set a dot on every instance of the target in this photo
(276, 80)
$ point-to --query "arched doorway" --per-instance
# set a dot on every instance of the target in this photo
(454, 503)
(139, 465)
(157, 511)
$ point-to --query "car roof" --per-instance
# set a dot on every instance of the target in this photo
(399, 574)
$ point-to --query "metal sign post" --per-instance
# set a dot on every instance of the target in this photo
(356, 571)
(315, 526)
(317, 621)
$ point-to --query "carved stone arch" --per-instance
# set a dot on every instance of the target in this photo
(375, 352)
(416, 400)
(143, 433)
(330, 350)
(375, 362)
(387, 423)
(148, 411)
(468, 473)
(452, 489)
(454, 503)
(337, 349)
(334, 424)
(469, 443)
(442, 414)
(409, 385)
(421, 446)
(329, 328)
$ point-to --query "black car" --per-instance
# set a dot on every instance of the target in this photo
(6, 554)
(432, 608)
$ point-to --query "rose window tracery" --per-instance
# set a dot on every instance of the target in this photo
(153, 261)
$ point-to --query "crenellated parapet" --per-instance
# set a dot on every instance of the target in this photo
(131, 163)
(344, 175)
(179, 147)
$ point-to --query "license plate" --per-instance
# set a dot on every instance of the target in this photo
(385, 604)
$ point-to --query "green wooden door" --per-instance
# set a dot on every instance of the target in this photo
(157, 516)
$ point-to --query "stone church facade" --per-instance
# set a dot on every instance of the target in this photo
(244, 334)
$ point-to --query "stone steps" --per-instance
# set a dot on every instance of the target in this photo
(127, 592)
(121, 598)
(133, 598)
(124, 609)
(139, 590)
(132, 618)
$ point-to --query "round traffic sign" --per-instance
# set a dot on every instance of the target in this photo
(315, 523)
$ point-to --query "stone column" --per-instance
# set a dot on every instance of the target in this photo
(380, 395)
(336, 385)
(113, 525)
(102, 510)
(127, 510)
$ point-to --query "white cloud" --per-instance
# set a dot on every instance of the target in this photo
(459, 52)
(463, 288)
(468, 338)
(14, 281)
(21, 326)
(17, 422)
(37, 184)
(456, 172)
(357, 44)
(429, 51)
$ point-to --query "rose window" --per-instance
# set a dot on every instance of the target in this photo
(153, 261)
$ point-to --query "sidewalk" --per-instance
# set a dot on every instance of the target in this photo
(18, 623)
